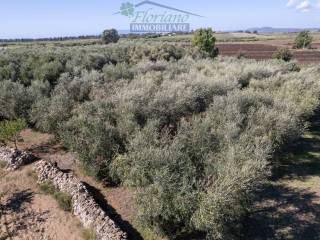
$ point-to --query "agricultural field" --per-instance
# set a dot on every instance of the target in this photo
(257, 46)
(173, 140)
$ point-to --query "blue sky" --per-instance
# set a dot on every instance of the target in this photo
(45, 18)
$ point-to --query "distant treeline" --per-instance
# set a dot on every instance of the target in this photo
(55, 39)
(49, 39)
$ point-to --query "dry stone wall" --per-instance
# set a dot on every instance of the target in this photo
(15, 158)
(84, 205)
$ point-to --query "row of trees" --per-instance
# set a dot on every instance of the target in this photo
(192, 136)
(205, 41)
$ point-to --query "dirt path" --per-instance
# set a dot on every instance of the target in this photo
(290, 207)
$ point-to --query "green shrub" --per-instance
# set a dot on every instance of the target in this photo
(10, 131)
(303, 40)
(205, 41)
(95, 61)
(165, 52)
(48, 113)
(283, 54)
(64, 200)
(47, 187)
(15, 100)
(49, 72)
(116, 72)
(93, 135)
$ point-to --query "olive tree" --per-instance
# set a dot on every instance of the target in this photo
(110, 36)
(10, 131)
(303, 40)
(204, 40)
(283, 54)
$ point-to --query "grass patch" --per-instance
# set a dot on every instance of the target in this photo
(64, 199)
(148, 232)
(2, 194)
(32, 174)
(3, 164)
(47, 188)
(88, 234)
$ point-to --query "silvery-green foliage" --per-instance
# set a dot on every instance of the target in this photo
(15, 100)
(118, 71)
(192, 136)
(92, 133)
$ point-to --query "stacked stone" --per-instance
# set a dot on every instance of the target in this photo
(15, 158)
(84, 205)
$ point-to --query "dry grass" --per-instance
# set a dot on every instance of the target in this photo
(88, 234)
(2, 164)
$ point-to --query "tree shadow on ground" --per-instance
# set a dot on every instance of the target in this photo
(46, 148)
(302, 158)
(125, 226)
(15, 214)
(283, 212)
(18, 200)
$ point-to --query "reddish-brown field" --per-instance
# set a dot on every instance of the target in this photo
(265, 51)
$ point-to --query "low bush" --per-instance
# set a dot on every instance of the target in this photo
(10, 131)
(64, 200)
(47, 188)
(116, 72)
(205, 41)
(303, 40)
(92, 133)
(110, 36)
(15, 100)
(283, 54)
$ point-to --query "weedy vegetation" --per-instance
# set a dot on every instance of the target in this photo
(88, 234)
(63, 199)
(283, 54)
(3, 164)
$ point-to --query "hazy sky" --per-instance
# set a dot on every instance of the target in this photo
(43, 18)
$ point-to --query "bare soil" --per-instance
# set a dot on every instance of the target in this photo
(26, 213)
(263, 51)
(118, 202)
